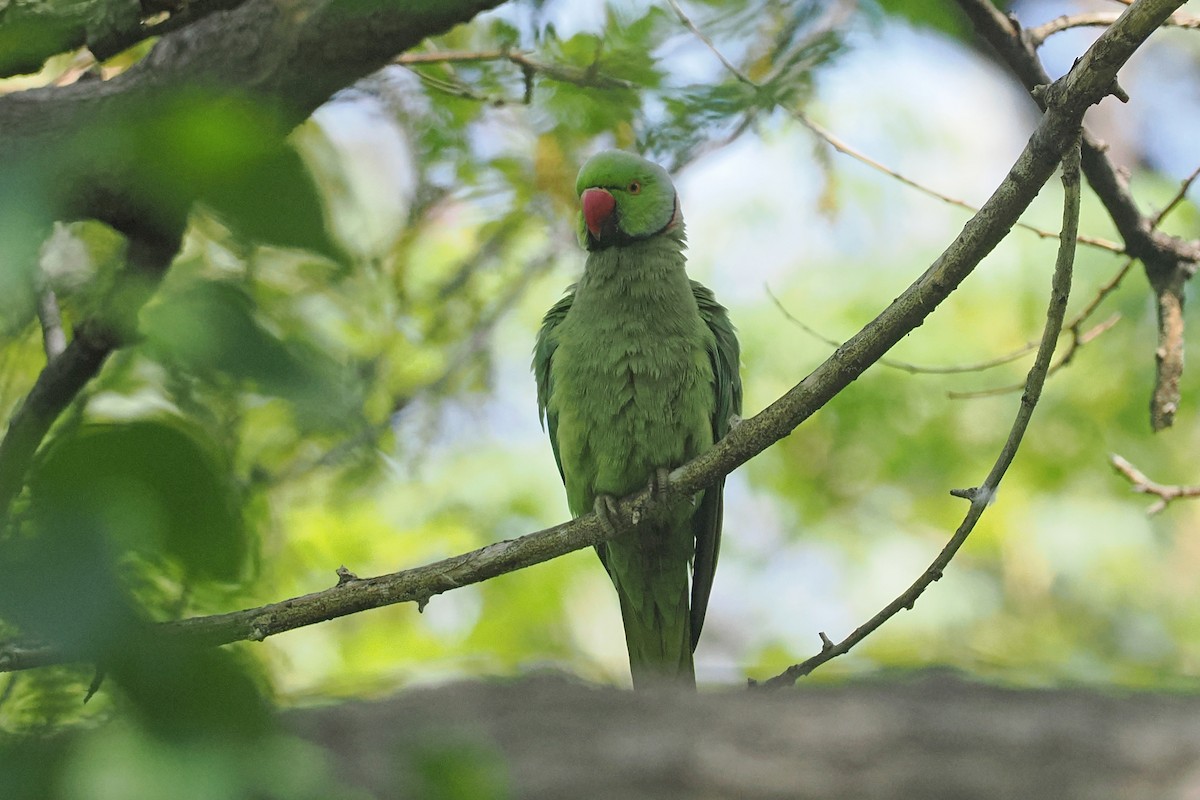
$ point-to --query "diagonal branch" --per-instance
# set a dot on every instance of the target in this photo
(1085, 85)
(63, 377)
(66, 373)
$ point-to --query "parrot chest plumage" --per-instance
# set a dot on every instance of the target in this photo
(632, 375)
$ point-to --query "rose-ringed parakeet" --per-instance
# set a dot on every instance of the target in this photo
(637, 372)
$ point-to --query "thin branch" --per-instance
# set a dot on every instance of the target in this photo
(842, 147)
(1097, 19)
(463, 91)
(591, 77)
(905, 366)
(1074, 326)
(1085, 85)
(1078, 340)
(1185, 186)
(846, 149)
(1140, 483)
(982, 496)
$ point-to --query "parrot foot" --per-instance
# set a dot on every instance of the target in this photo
(606, 509)
(659, 481)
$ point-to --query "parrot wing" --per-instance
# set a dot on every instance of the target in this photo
(727, 387)
(543, 352)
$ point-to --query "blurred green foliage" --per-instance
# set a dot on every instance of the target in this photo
(325, 378)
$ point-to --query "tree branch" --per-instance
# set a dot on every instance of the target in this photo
(1169, 261)
(1086, 84)
(983, 495)
(66, 374)
(1140, 483)
(1096, 19)
(558, 72)
(54, 390)
(87, 143)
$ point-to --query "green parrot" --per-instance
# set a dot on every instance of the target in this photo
(637, 373)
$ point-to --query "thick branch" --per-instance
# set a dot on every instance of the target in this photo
(1086, 84)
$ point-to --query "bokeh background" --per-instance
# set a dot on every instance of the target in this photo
(365, 400)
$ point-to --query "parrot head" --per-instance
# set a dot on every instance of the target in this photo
(624, 198)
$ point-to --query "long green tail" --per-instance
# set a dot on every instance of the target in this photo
(652, 585)
(660, 651)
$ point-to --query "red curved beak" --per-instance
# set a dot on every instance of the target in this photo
(598, 206)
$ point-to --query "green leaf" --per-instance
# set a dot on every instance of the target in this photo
(152, 486)
(274, 200)
(941, 15)
(211, 328)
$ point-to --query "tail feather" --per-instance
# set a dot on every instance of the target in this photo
(659, 641)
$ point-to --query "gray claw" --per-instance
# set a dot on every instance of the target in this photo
(659, 481)
(605, 507)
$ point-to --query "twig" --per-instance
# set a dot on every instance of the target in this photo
(1140, 483)
(1078, 340)
(982, 496)
(462, 90)
(916, 369)
(1095, 19)
(590, 78)
(1185, 185)
(842, 147)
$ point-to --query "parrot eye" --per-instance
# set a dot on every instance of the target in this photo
(634, 187)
